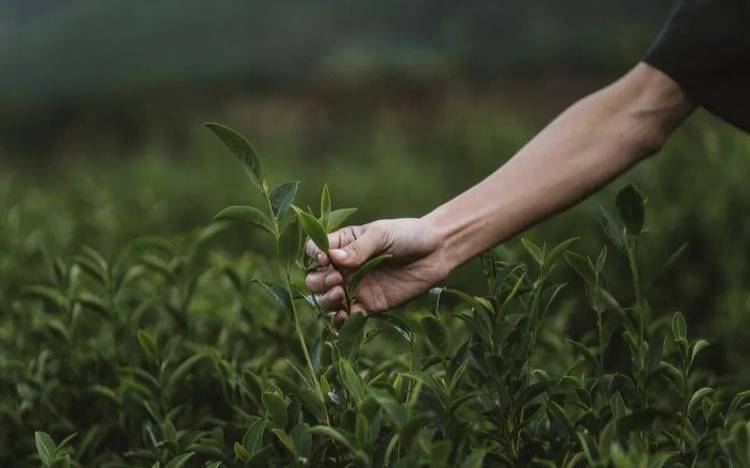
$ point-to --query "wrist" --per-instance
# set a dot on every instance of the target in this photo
(441, 232)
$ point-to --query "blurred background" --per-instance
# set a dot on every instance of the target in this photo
(397, 105)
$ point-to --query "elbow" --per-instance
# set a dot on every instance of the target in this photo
(653, 106)
(650, 141)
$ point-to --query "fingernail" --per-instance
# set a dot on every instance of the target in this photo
(340, 254)
(321, 257)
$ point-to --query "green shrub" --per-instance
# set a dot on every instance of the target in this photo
(173, 354)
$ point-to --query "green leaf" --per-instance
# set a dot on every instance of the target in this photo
(362, 430)
(312, 228)
(536, 253)
(45, 447)
(679, 327)
(397, 324)
(584, 351)
(253, 438)
(589, 447)
(246, 214)
(697, 397)
(290, 241)
(350, 335)
(698, 346)
(180, 460)
(353, 383)
(241, 148)
(581, 265)
(436, 333)
(46, 294)
(148, 344)
(286, 441)
(182, 370)
(558, 251)
(334, 435)
(475, 459)
(241, 452)
(362, 271)
(276, 408)
(325, 206)
(632, 208)
(302, 438)
(441, 452)
(278, 292)
(282, 198)
(337, 218)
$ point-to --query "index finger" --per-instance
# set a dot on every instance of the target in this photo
(336, 240)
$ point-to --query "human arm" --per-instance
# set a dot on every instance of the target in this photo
(588, 145)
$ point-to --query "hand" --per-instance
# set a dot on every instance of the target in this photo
(417, 264)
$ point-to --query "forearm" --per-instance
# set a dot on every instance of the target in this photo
(587, 146)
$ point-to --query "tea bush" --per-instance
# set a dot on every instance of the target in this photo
(173, 353)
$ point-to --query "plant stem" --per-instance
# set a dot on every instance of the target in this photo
(295, 318)
(303, 344)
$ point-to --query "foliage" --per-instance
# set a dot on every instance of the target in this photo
(172, 354)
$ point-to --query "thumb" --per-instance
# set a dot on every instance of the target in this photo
(358, 251)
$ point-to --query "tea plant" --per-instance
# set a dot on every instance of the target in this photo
(171, 353)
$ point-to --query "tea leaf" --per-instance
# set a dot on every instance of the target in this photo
(697, 397)
(253, 438)
(558, 251)
(148, 344)
(335, 435)
(475, 459)
(240, 452)
(302, 438)
(536, 253)
(698, 346)
(362, 271)
(290, 242)
(313, 229)
(632, 208)
(436, 333)
(362, 430)
(589, 447)
(246, 214)
(353, 383)
(286, 441)
(278, 292)
(282, 198)
(401, 327)
(180, 460)
(581, 265)
(182, 370)
(276, 408)
(45, 447)
(241, 148)
(325, 206)
(351, 333)
(679, 327)
(338, 217)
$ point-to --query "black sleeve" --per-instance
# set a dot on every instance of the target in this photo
(705, 47)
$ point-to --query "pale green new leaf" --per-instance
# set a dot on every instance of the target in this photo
(325, 206)
(338, 217)
(45, 447)
(312, 228)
